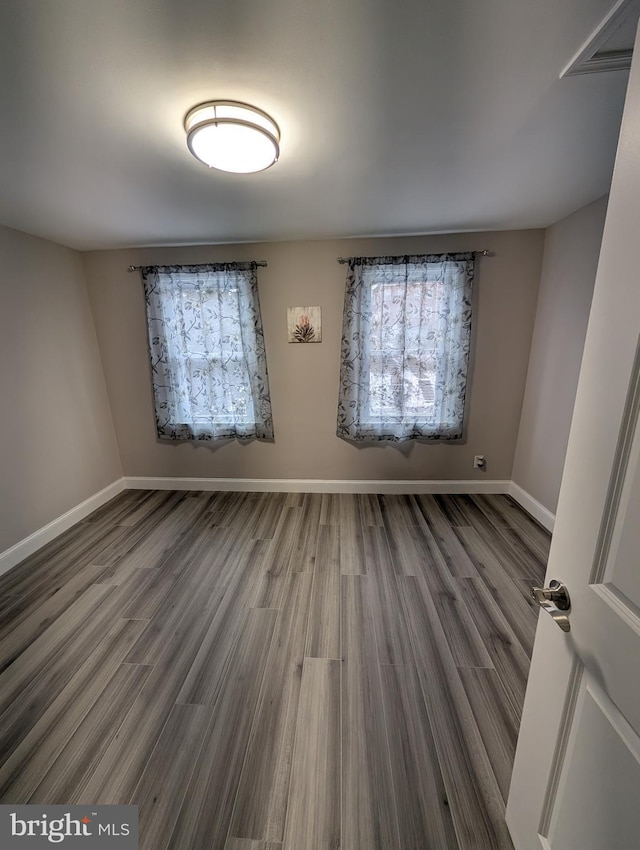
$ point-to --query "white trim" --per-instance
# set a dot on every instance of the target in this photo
(49, 532)
(21, 550)
(588, 60)
(317, 485)
(533, 506)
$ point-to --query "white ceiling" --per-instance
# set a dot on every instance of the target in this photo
(397, 117)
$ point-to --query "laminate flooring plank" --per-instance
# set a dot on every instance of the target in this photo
(516, 517)
(450, 510)
(117, 575)
(357, 630)
(472, 790)
(489, 510)
(42, 578)
(516, 607)
(147, 503)
(464, 640)
(283, 541)
(535, 540)
(59, 573)
(294, 500)
(156, 546)
(246, 511)
(359, 747)
(35, 751)
(458, 562)
(15, 581)
(147, 589)
(34, 675)
(272, 505)
(424, 815)
(75, 764)
(189, 578)
(462, 635)
(114, 778)
(259, 514)
(207, 672)
(323, 638)
(396, 508)
(496, 719)
(352, 560)
(134, 537)
(391, 635)
(261, 802)
(369, 816)
(237, 553)
(226, 506)
(120, 507)
(216, 499)
(172, 622)
(369, 506)
(13, 609)
(276, 561)
(303, 555)
(480, 513)
(43, 572)
(160, 792)
(532, 563)
(86, 744)
(414, 548)
(196, 567)
(20, 631)
(515, 558)
(402, 535)
(509, 658)
(204, 818)
(329, 509)
(313, 819)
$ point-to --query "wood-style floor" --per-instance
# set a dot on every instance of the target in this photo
(275, 671)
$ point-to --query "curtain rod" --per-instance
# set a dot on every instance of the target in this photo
(485, 253)
(257, 263)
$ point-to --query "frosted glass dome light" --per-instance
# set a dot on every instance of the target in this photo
(232, 136)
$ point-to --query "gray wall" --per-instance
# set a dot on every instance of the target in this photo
(58, 445)
(304, 378)
(571, 252)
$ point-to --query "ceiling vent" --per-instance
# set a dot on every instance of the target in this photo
(610, 45)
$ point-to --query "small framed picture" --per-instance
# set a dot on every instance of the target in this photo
(304, 324)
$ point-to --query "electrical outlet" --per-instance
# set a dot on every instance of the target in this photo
(479, 462)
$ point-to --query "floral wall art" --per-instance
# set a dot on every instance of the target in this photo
(304, 324)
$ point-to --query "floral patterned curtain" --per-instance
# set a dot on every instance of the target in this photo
(405, 347)
(208, 360)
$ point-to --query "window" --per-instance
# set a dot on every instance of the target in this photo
(405, 347)
(208, 359)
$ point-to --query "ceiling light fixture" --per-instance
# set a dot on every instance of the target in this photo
(232, 136)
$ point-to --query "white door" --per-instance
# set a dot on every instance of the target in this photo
(576, 780)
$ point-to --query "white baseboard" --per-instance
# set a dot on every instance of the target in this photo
(49, 532)
(21, 550)
(533, 506)
(317, 485)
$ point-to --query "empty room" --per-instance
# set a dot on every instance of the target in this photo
(320, 381)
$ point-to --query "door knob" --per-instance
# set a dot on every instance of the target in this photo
(555, 600)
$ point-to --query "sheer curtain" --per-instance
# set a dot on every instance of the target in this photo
(405, 347)
(208, 361)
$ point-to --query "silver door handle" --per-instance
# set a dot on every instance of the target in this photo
(556, 601)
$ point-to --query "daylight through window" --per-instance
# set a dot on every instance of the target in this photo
(208, 359)
(405, 347)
